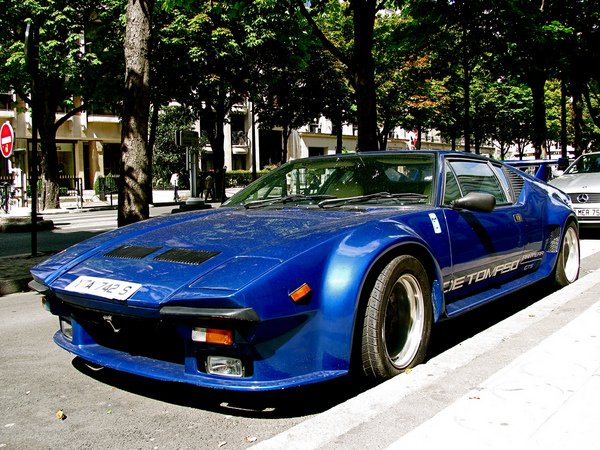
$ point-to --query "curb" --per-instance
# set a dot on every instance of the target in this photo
(18, 223)
(15, 285)
(17, 267)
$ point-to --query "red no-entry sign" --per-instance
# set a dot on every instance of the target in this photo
(7, 138)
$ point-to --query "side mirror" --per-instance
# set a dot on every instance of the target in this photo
(476, 202)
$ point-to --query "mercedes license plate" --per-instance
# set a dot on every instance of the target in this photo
(587, 212)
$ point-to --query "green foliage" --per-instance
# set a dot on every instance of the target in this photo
(167, 156)
(66, 75)
(240, 178)
(110, 183)
(63, 67)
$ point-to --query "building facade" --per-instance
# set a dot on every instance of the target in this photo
(88, 145)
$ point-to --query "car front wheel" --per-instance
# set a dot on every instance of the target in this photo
(398, 319)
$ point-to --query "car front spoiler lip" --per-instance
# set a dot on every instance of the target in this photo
(238, 314)
(242, 314)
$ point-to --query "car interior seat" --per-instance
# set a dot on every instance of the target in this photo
(345, 189)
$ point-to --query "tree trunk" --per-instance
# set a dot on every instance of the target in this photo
(46, 105)
(361, 67)
(563, 119)
(364, 74)
(135, 176)
(466, 90)
(578, 120)
(383, 136)
(150, 147)
(49, 179)
(339, 142)
(213, 118)
(285, 135)
(537, 81)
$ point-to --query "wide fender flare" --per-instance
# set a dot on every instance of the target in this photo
(356, 262)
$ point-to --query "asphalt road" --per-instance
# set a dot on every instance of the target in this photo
(70, 228)
(106, 409)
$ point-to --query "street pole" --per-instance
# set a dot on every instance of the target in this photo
(31, 59)
(189, 140)
(194, 174)
(253, 146)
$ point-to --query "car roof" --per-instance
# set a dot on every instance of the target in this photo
(395, 152)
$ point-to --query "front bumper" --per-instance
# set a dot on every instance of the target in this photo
(158, 344)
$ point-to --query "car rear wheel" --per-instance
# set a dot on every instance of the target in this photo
(568, 263)
(398, 319)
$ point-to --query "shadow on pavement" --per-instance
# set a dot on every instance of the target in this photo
(295, 402)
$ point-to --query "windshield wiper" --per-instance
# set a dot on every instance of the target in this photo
(376, 196)
(287, 199)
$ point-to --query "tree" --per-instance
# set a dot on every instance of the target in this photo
(135, 180)
(64, 78)
(167, 157)
(213, 65)
(460, 37)
(358, 59)
(576, 26)
(534, 41)
(511, 108)
(329, 83)
(290, 91)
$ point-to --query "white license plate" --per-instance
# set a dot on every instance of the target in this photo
(587, 212)
(103, 287)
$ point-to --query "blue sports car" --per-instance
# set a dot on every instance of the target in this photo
(323, 263)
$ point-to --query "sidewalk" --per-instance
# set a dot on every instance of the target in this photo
(91, 202)
(531, 381)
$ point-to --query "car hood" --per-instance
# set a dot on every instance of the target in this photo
(219, 251)
(580, 182)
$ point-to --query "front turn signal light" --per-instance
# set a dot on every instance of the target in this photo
(212, 336)
(302, 294)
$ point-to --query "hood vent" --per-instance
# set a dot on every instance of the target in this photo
(181, 255)
(131, 252)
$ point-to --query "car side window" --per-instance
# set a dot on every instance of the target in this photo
(505, 183)
(475, 176)
(452, 190)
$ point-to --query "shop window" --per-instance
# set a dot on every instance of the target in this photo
(239, 136)
(239, 162)
(112, 158)
(5, 102)
(65, 153)
(316, 151)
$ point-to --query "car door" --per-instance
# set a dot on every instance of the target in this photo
(486, 247)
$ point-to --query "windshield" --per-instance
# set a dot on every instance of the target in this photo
(358, 177)
(586, 164)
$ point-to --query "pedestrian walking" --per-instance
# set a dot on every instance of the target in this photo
(209, 188)
(175, 184)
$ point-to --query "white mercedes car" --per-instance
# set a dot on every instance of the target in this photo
(581, 181)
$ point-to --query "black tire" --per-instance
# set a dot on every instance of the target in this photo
(568, 262)
(398, 319)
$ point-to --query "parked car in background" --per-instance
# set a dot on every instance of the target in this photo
(581, 181)
(542, 169)
(322, 263)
